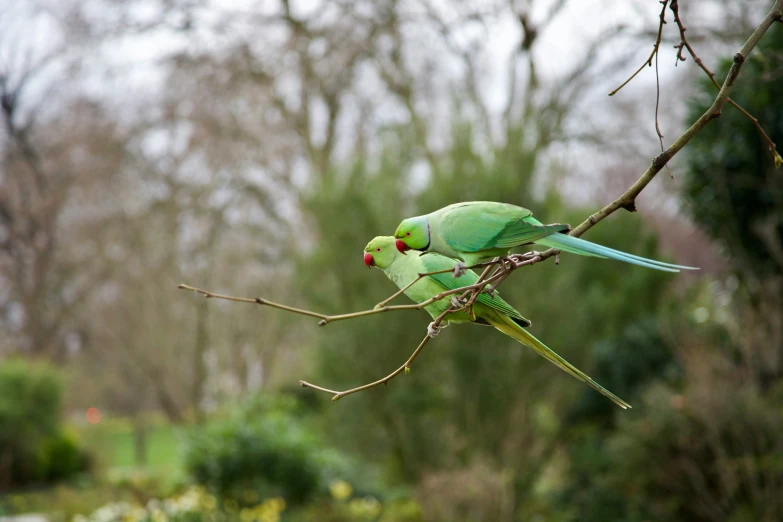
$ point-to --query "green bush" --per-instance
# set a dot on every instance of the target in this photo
(733, 188)
(33, 445)
(638, 355)
(60, 457)
(260, 450)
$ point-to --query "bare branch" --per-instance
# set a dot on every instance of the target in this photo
(628, 199)
(675, 8)
(326, 319)
(654, 52)
(404, 368)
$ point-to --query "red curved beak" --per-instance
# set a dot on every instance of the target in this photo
(368, 260)
(402, 247)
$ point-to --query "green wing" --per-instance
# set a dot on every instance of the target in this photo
(484, 225)
(433, 262)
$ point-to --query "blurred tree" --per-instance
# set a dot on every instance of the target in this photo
(51, 165)
(735, 192)
(737, 196)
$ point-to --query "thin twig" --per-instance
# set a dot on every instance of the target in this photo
(474, 289)
(628, 198)
(404, 368)
(657, 105)
(469, 305)
(684, 43)
(654, 52)
(422, 276)
(326, 319)
(402, 290)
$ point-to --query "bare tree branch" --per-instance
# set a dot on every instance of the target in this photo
(627, 200)
(685, 44)
(654, 52)
(404, 368)
(326, 319)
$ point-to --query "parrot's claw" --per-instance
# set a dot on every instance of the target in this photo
(517, 259)
(490, 290)
(433, 330)
(456, 303)
(459, 269)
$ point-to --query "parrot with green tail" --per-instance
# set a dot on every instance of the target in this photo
(477, 231)
(382, 253)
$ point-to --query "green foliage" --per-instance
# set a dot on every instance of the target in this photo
(704, 443)
(625, 364)
(258, 447)
(29, 401)
(700, 455)
(734, 190)
(62, 456)
(32, 443)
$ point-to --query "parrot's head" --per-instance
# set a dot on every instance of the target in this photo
(380, 252)
(413, 233)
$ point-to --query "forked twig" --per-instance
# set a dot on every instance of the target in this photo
(326, 319)
(685, 44)
(628, 199)
(404, 368)
(656, 46)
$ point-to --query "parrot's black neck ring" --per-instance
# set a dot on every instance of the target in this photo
(429, 237)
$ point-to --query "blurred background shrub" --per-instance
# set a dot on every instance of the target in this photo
(34, 446)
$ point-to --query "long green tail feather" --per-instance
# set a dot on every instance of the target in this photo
(578, 246)
(508, 327)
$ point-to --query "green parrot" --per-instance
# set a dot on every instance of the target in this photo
(382, 253)
(477, 231)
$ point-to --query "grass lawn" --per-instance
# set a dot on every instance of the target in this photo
(112, 442)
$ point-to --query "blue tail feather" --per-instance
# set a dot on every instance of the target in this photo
(582, 247)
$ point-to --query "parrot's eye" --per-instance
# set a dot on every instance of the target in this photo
(378, 249)
(408, 234)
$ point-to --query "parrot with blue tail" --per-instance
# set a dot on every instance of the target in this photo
(478, 231)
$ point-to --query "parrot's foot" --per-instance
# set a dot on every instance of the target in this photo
(459, 269)
(517, 259)
(433, 330)
(456, 303)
